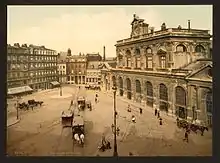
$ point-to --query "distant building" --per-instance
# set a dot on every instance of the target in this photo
(76, 69)
(31, 66)
(61, 67)
(93, 73)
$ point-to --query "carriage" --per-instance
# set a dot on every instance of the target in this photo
(78, 129)
(81, 101)
(67, 118)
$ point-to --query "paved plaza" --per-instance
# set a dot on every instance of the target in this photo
(39, 132)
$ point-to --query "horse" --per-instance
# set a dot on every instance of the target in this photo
(79, 138)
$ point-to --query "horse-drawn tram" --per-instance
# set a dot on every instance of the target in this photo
(67, 118)
(78, 129)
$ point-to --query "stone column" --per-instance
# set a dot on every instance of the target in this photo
(156, 95)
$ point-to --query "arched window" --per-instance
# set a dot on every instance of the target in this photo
(180, 96)
(199, 49)
(129, 93)
(181, 48)
(148, 51)
(137, 59)
(121, 86)
(163, 97)
(138, 86)
(150, 99)
(163, 92)
(149, 87)
(209, 102)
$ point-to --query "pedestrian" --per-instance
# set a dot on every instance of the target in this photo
(141, 110)
(133, 119)
(158, 114)
(160, 121)
(186, 137)
(155, 112)
(129, 108)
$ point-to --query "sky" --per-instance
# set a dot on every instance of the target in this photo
(87, 29)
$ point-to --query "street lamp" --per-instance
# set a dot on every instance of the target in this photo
(60, 84)
(17, 107)
(115, 140)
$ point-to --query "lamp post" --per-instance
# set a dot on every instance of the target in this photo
(17, 108)
(115, 140)
(61, 93)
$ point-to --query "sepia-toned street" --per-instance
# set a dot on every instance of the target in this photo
(40, 133)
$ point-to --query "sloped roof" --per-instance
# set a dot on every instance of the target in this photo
(197, 66)
(93, 57)
(93, 64)
(62, 56)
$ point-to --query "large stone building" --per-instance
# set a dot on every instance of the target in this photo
(169, 69)
(33, 66)
(76, 69)
(93, 72)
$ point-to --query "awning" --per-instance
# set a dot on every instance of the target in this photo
(17, 90)
(55, 83)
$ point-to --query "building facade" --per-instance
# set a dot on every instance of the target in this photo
(169, 69)
(76, 69)
(61, 67)
(93, 72)
(17, 65)
(35, 66)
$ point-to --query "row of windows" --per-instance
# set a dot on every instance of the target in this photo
(179, 48)
(92, 79)
(36, 73)
(17, 74)
(17, 51)
(39, 65)
(61, 67)
(17, 58)
(149, 62)
(43, 79)
(77, 66)
(61, 72)
(45, 52)
(42, 58)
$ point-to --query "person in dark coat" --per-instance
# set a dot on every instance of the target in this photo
(141, 110)
(160, 121)
(186, 137)
(155, 112)
(158, 114)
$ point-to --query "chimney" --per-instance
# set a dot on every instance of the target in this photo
(188, 24)
(104, 53)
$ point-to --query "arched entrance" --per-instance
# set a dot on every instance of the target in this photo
(138, 90)
(209, 107)
(113, 81)
(181, 102)
(150, 96)
(129, 94)
(163, 98)
(121, 92)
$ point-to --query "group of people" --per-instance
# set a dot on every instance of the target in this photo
(133, 119)
(157, 113)
(96, 98)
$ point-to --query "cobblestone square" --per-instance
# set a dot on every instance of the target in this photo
(39, 132)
